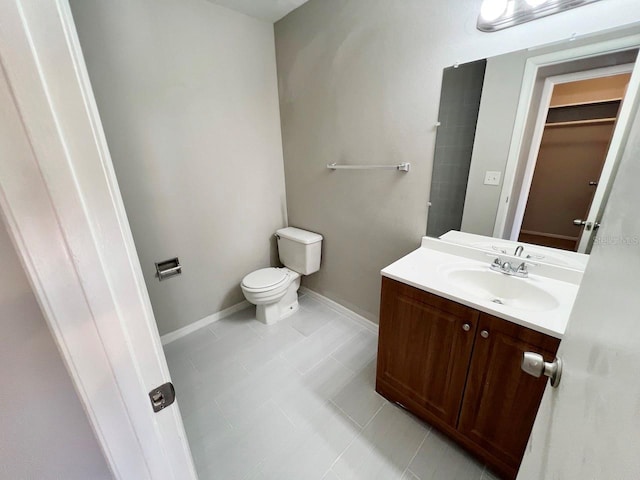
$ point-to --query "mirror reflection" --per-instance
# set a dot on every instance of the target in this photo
(528, 144)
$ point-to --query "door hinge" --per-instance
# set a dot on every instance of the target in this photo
(162, 396)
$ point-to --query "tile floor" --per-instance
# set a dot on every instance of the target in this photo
(296, 401)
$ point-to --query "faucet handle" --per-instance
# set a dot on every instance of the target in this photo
(496, 260)
(523, 266)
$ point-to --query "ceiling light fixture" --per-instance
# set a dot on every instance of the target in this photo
(491, 10)
(535, 3)
(499, 14)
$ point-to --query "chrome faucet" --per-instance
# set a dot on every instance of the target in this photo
(519, 250)
(521, 271)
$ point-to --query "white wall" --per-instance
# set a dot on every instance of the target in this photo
(359, 82)
(45, 431)
(187, 95)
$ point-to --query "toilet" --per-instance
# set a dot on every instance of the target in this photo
(274, 291)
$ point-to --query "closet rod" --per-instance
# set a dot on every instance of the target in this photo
(593, 121)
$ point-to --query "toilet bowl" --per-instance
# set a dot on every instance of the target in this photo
(274, 291)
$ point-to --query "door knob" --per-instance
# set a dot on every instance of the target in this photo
(534, 364)
(587, 225)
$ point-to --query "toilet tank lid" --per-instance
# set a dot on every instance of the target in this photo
(299, 235)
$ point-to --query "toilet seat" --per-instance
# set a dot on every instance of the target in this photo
(265, 279)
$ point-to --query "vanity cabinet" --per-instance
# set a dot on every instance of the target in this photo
(459, 369)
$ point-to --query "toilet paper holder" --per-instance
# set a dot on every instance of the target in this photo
(168, 268)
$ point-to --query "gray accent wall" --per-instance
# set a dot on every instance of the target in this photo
(359, 82)
(187, 94)
(45, 432)
(458, 114)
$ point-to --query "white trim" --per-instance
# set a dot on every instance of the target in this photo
(532, 159)
(532, 65)
(363, 321)
(590, 74)
(167, 338)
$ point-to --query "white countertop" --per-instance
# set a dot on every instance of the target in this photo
(427, 267)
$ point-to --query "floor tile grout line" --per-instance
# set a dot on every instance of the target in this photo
(343, 343)
(347, 415)
(413, 473)
(287, 417)
(345, 366)
(224, 416)
(322, 359)
(215, 335)
(356, 437)
(332, 471)
(424, 439)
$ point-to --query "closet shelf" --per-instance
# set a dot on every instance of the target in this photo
(580, 104)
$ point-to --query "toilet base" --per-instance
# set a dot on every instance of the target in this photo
(286, 306)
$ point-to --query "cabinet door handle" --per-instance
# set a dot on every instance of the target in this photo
(466, 327)
(484, 334)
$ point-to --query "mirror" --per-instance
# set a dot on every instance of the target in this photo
(528, 142)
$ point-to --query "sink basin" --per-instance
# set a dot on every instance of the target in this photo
(502, 289)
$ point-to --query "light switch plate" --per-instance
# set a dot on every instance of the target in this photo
(492, 178)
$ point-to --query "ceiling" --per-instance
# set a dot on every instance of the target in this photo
(269, 10)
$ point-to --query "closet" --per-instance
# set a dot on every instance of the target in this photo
(578, 129)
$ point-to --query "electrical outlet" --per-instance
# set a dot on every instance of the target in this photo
(492, 178)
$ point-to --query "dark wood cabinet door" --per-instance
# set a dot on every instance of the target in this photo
(500, 400)
(424, 349)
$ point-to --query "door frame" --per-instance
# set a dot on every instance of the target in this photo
(503, 227)
(60, 201)
(543, 109)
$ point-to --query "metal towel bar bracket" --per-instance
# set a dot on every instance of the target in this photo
(403, 167)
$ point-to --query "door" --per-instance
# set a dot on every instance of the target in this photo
(61, 204)
(425, 344)
(567, 171)
(587, 428)
(490, 416)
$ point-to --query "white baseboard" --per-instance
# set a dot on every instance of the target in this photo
(365, 322)
(208, 320)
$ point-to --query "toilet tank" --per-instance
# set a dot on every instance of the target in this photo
(299, 249)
